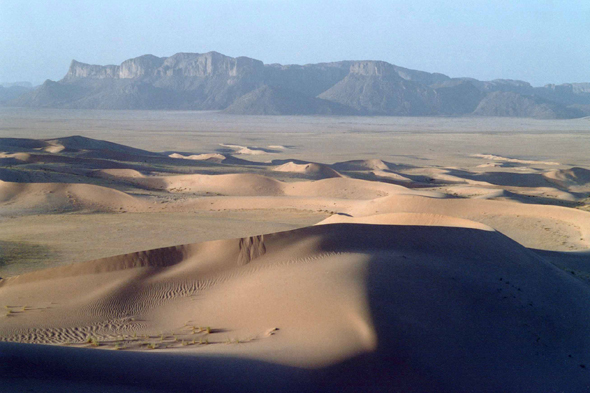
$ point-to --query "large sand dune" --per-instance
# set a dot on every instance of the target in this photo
(395, 303)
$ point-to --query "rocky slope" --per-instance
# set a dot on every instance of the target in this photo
(9, 92)
(512, 104)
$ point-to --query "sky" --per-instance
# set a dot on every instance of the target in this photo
(539, 41)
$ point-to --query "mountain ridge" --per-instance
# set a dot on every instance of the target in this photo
(213, 81)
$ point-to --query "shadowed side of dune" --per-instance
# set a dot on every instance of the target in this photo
(41, 367)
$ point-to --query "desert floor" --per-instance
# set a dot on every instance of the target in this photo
(177, 251)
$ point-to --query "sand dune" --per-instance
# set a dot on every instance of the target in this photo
(212, 157)
(323, 301)
(56, 197)
(386, 175)
(118, 173)
(574, 179)
(246, 184)
(536, 226)
(15, 156)
(313, 169)
(233, 184)
(247, 150)
(361, 165)
(425, 279)
(78, 142)
(493, 157)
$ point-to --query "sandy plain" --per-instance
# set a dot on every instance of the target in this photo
(293, 253)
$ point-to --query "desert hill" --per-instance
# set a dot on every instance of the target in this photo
(376, 88)
(512, 104)
(241, 85)
(8, 93)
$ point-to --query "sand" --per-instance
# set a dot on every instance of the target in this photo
(139, 269)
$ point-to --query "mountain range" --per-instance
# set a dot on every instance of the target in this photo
(241, 85)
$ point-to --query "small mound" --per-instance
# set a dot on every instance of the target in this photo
(568, 177)
(56, 148)
(62, 197)
(118, 173)
(391, 176)
(477, 192)
(312, 169)
(14, 157)
(242, 184)
(211, 157)
(361, 165)
(246, 150)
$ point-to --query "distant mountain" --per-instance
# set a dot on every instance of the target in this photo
(241, 85)
(376, 88)
(512, 104)
(27, 85)
(567, 94)
(457, 97)
(10, 91)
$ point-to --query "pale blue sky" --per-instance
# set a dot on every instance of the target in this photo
(540, 41)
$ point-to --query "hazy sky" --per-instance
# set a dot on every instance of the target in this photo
(540, 41)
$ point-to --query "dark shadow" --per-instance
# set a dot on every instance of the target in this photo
(576, 263)
(505, 178)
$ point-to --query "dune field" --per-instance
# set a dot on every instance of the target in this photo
(211, 260)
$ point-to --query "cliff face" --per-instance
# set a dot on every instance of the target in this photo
(140, 66)
(212, 81)
(179, 65)
(376, 88)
